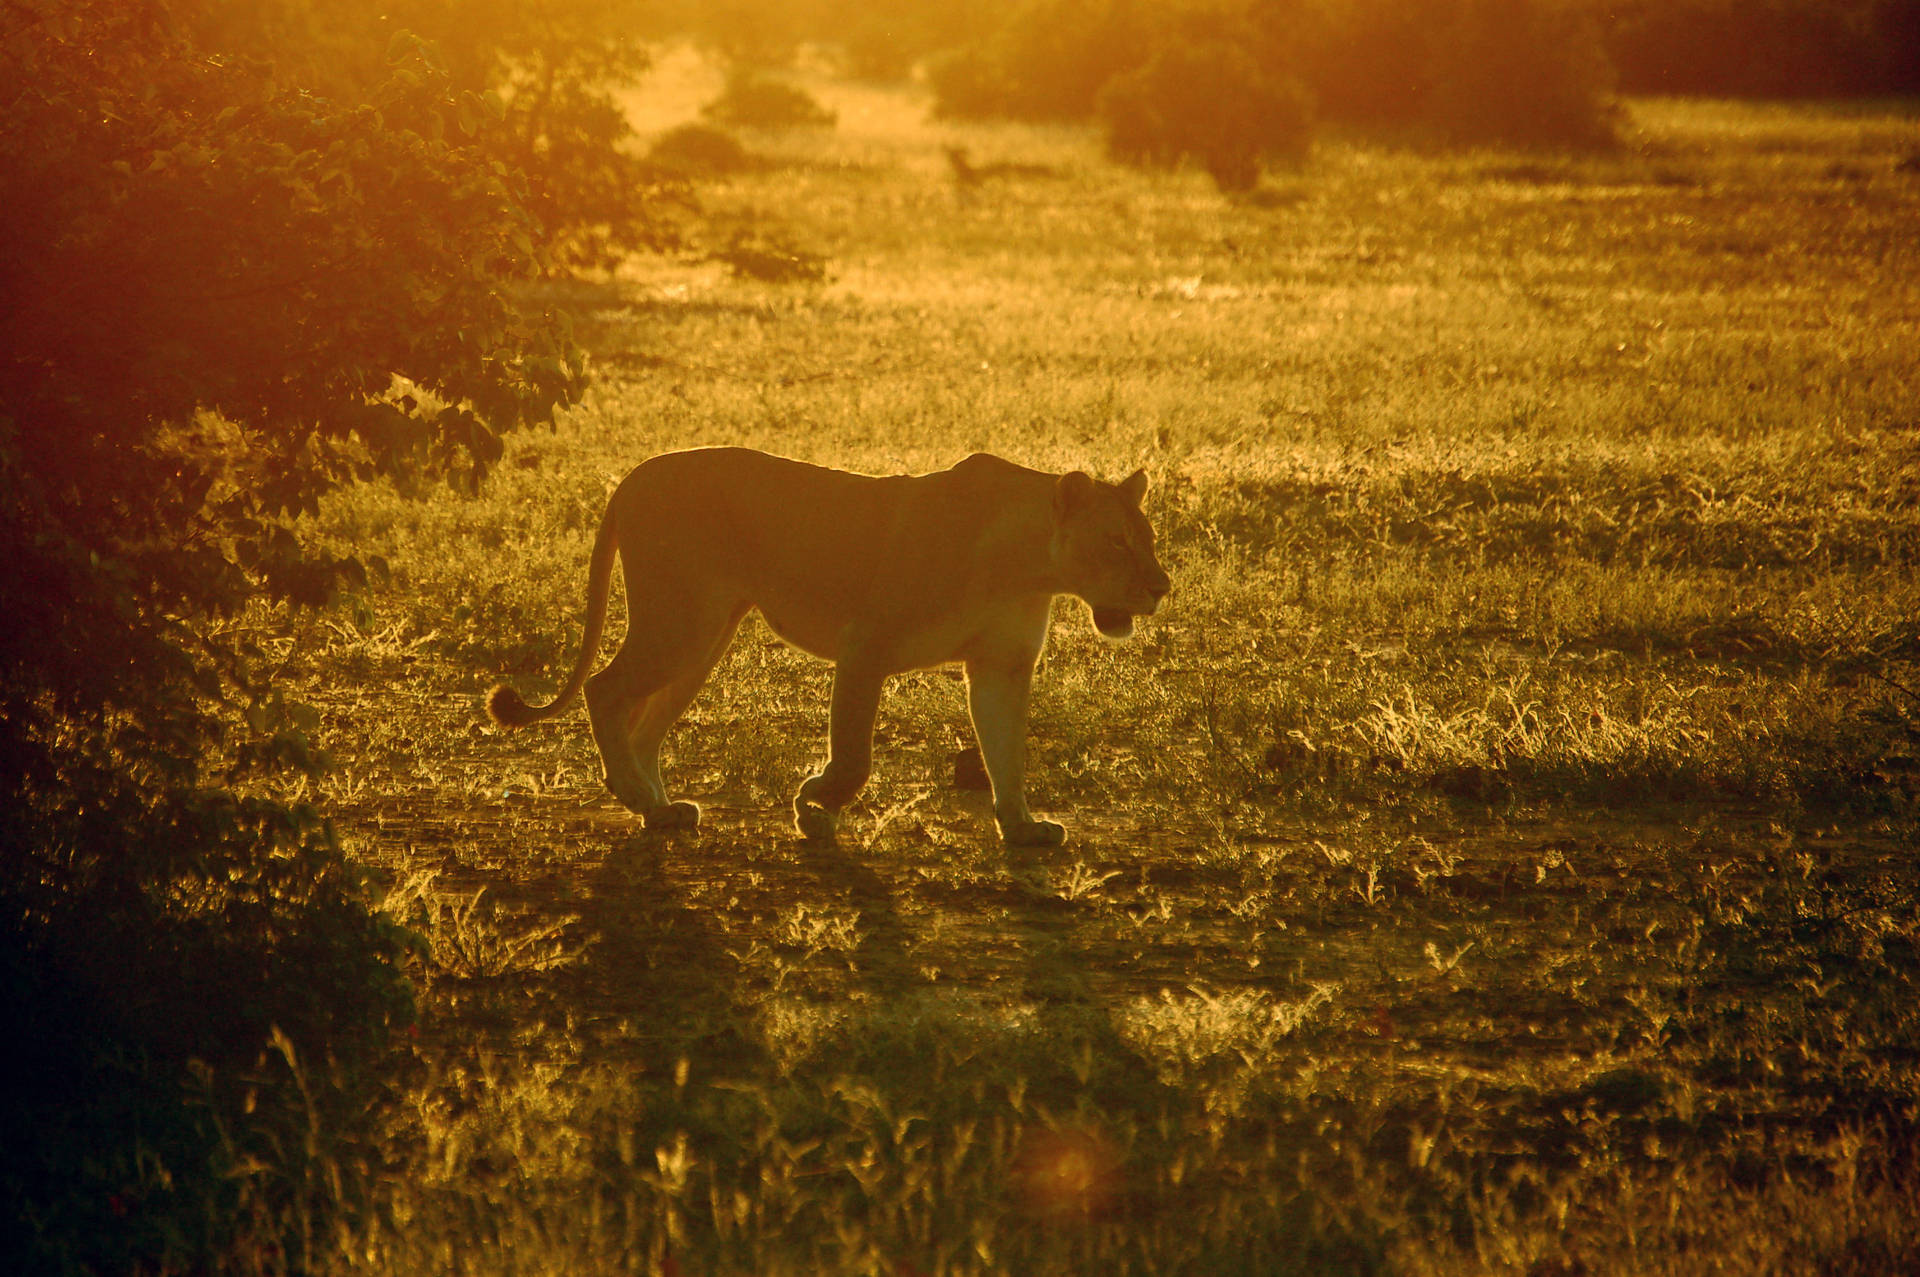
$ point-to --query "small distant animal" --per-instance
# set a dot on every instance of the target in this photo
(879, 575)
(968, 174)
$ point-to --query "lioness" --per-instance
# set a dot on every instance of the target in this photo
(877, 575)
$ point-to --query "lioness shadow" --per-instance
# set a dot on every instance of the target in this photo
(663, 977)
(883, 956)
(656, 974)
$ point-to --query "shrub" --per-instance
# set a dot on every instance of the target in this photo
(1049, 61)
(701, 150)
(216, 281)
(144, 987)
(1210, 102)
(884, 39)
(1366, 62)
(967, 85)
(756, 101)
(538, 86)
(1532, 72)
(1526, 71)
(757, 253)
(1766, 48)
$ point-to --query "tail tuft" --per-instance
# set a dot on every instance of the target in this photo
(505, 707)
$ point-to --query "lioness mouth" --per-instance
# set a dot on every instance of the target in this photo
(1113, 622)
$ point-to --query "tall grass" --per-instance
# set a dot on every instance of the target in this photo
(1494, 858)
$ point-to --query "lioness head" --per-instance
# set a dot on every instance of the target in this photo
(1103, 549)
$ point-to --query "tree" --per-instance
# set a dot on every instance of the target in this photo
(1208, 100)
(226, 294)
(539, 75)
(1533, 72)
(552, 68)
(1044, 59)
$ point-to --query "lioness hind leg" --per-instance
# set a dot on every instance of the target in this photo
(612, 699)
(670, 645)
(656, 717)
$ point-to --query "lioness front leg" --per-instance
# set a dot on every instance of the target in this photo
(997, 696)
(856, 700)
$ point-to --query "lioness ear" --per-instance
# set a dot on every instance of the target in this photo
(1071, 492)
(1134, 486)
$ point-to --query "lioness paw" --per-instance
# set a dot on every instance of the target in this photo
(1034, 833)
(633, 796)
(814, 822)
(681, 815)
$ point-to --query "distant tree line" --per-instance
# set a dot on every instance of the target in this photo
(1764, 48)
(1232, 82)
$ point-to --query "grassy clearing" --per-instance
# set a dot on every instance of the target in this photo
(1497, 858)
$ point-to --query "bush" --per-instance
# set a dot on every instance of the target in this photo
(226, 294)
(1210, 102)
(1366, 62)
(1049, 61)
(266, 1003)
(759, 102)
(885, 39)
(538, 84)
(1766, 48)
(768, 256)
(966, 85)
(701, 150)
(1531, 72)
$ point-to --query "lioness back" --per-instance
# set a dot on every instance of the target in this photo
(817, 550)
(759, 520)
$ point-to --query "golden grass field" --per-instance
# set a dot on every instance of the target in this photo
(1497, 857)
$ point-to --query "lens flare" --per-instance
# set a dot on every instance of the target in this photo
(1067, 1172)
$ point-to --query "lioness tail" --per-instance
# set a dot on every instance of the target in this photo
(506, 706)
